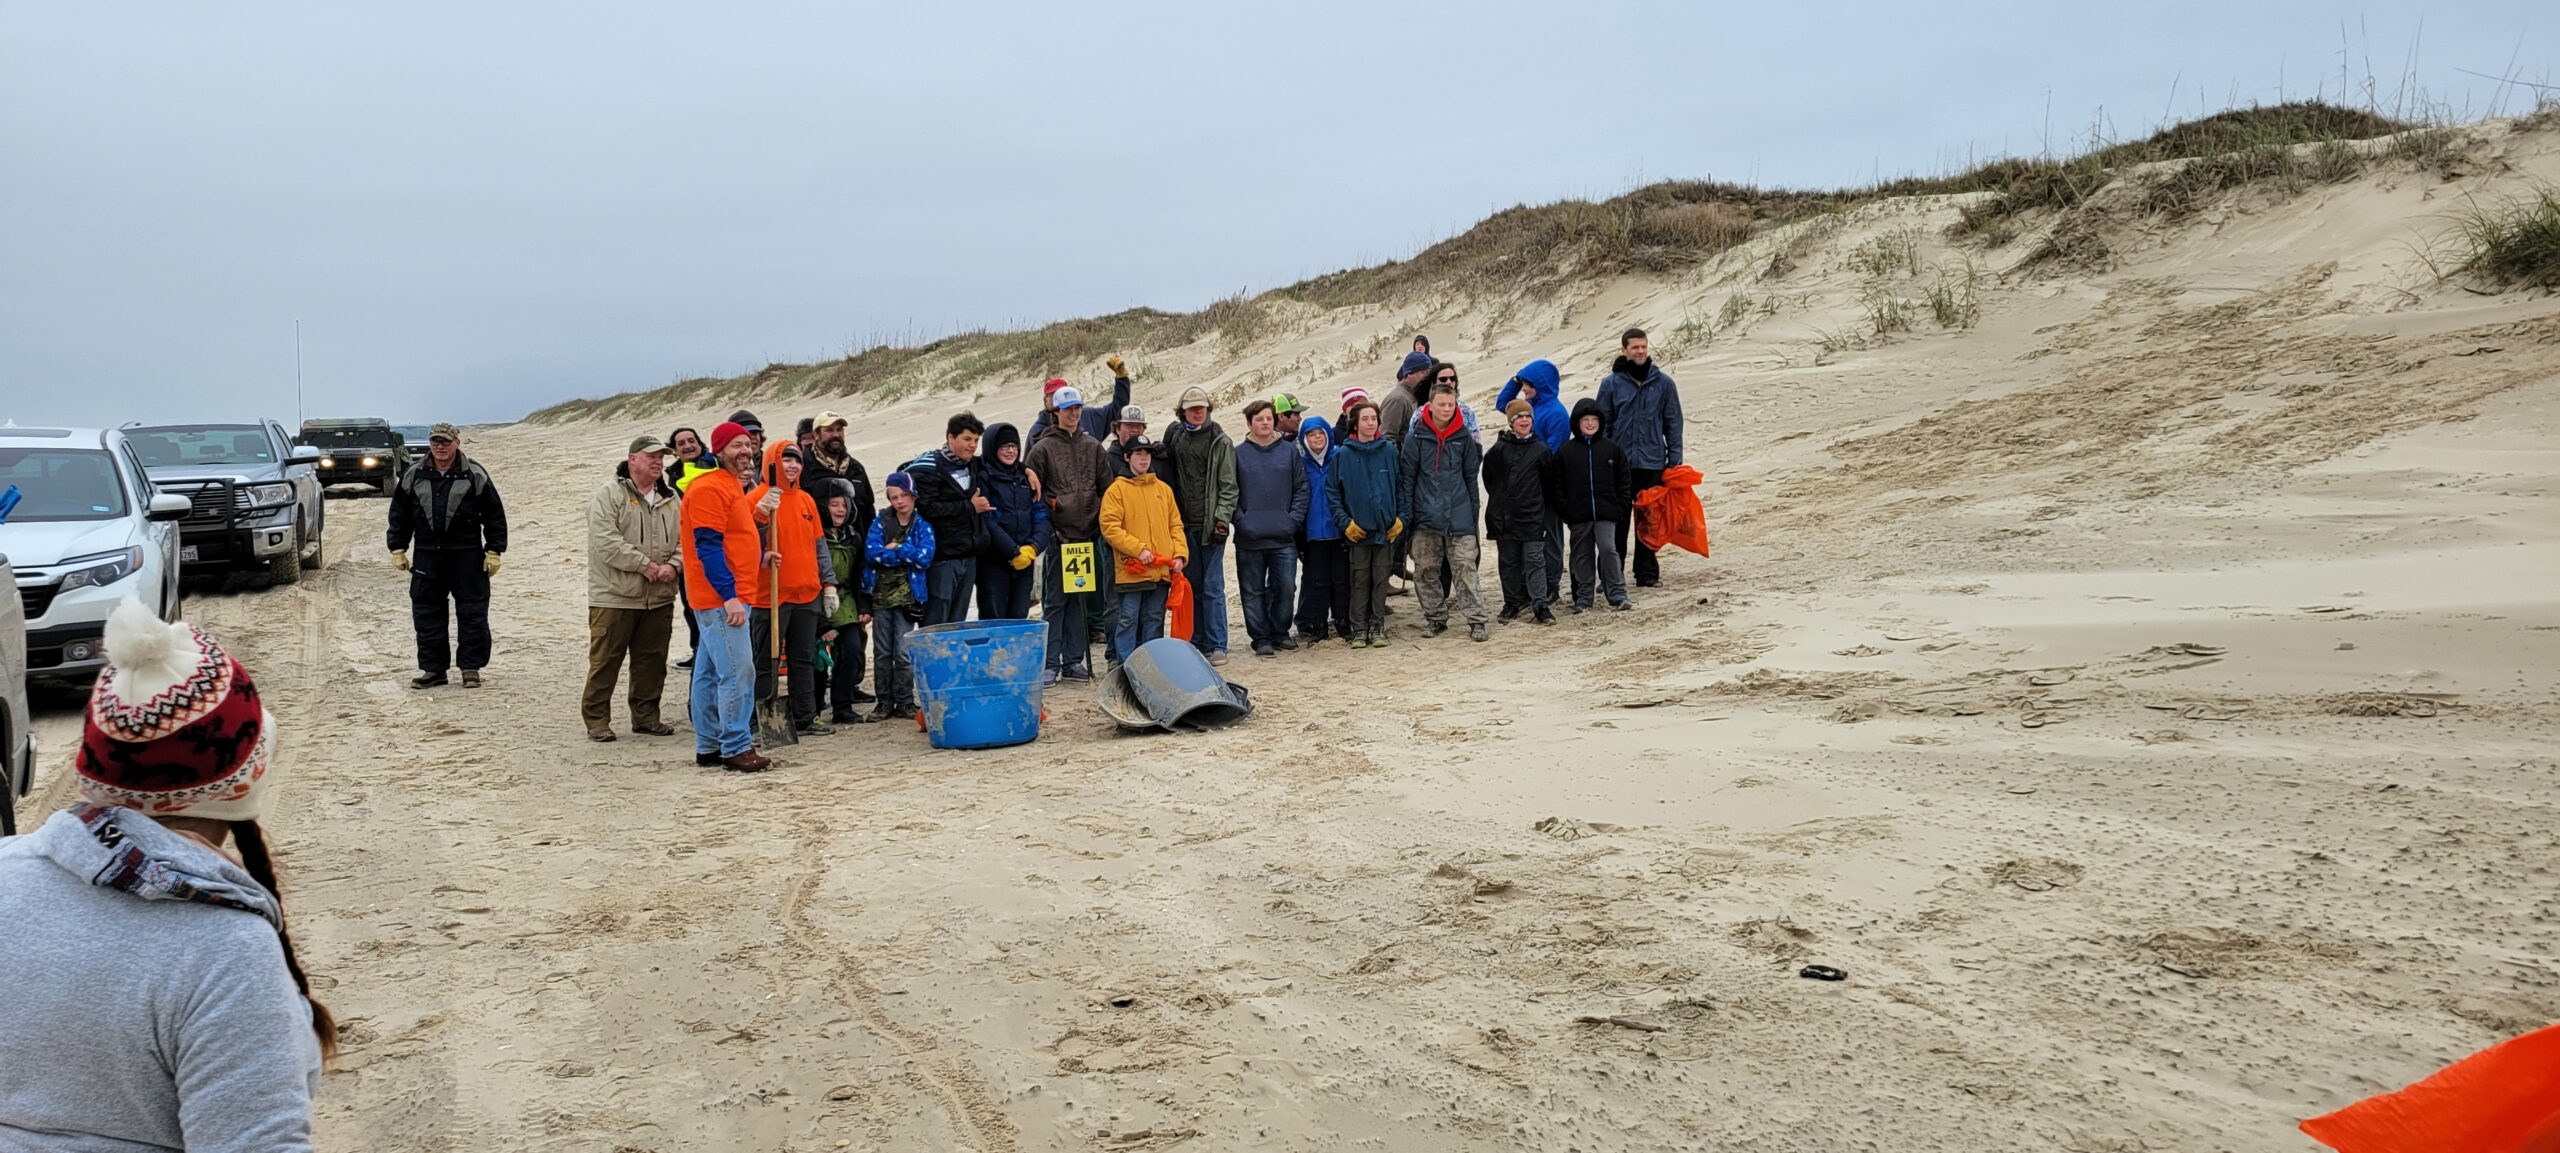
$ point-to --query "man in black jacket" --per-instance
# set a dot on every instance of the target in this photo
(448, 509)
(947, 496)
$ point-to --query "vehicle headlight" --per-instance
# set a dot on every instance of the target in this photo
(369, 462)
(328, 462)
(265, 494)
(101, 569)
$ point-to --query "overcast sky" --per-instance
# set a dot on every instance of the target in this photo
(475, 209)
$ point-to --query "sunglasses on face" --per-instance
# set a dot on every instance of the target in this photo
(1452, 378)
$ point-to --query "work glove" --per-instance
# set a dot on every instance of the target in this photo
(772, 500)
(400, 559)
(830, 600)
(1351, 528)
(489, 564)
(1118, 366)
(1395, 530)
(1023, 557)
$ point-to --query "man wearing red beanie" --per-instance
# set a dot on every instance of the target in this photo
(722, 555)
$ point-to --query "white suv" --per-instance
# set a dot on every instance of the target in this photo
(85, 531)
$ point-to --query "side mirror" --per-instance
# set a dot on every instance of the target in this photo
(169, 506)
(303, 456)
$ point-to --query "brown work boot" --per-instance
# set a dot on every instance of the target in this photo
(652, 729)
(749, 761)
(471, 678)
(600, 734)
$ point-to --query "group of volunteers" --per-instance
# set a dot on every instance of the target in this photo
(793, 571)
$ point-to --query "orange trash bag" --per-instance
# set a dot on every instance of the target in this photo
(1671, 514)
(1177, 604)
(2502, 1099)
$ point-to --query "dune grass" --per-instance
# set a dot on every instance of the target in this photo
(2516, 242)
(1536, 250)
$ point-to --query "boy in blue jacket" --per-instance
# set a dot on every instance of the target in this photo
(1360, 491)
(900, 550)
(1324, 584)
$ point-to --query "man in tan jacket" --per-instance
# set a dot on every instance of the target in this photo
(633, 576)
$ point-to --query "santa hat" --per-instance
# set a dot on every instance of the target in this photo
(174, 727)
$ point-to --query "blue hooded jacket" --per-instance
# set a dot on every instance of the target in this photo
(1548, 420)
(1320, 522)
(1360, 486)
(1640, 405)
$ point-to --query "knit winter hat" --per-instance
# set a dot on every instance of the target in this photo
(901, 482)
(1413, 362)
(727, 431)
(1354, 395)
(1516, 409)
(174, 727)
(744, 419)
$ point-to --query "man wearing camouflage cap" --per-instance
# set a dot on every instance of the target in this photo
(448, 509)
(634, 572)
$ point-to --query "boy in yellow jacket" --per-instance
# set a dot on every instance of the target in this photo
(1143, 526)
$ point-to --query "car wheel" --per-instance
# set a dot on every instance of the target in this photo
(284, 568)
(316, 549)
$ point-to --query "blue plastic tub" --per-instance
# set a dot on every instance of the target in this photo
(978, 682)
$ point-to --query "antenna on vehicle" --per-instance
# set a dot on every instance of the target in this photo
(297, 371)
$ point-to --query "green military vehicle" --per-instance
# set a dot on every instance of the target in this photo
(359, 450)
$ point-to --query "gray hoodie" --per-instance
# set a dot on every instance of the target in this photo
(147, 1005)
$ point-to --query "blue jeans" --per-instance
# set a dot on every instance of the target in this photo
(950, 587)
(1138, 617)
(893, 674)
(1207, 569)
(724, 686)
(1269, 579)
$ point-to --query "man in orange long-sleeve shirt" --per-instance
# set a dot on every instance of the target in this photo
(808, 580)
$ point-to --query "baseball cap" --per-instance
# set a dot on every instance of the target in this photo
(647, 443)
(830, 420)
(1132, 414)
(1285, 404)
(1066, 397)
(444, 429)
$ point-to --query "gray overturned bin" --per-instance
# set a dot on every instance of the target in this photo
(1168, 685)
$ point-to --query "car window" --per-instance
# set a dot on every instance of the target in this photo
(344, 436)
(59, 484)
(190, 445)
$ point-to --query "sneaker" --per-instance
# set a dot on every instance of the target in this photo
(1079, 672)
(1510, 613)
(1580, 608)
(1476, 632)
(1287, 645)
(1050, 676)
(1648, 582)
(1621, 606)
(848, 717)
(1264, 649)
(600, 736)
(813, 727)
(471, 678)
(652, 729)
(1434, 628)
(1360, 642)
(1545, 616)
(708, 760)
(860, 697)
(427, 680)
(1378, 638)
(1218, 660)
(686, 663)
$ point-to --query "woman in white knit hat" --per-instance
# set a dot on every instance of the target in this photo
(153, 999)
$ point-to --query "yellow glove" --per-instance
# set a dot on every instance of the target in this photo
(1022, 559)
(489, 564)
(1395, 530)
(1119, 367)
(400, 559)
(1351, 528)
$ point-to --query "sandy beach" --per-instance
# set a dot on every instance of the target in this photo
(2147, 696)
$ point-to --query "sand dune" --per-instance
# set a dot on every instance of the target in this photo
(2146, 695)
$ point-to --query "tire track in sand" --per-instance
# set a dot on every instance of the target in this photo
(963, 1094)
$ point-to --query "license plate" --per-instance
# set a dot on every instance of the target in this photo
(186, 552)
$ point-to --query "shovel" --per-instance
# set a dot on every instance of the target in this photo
(773, 714)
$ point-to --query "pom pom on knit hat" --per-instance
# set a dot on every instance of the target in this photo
(1354, 395)
(901, 481)
(174, 727)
